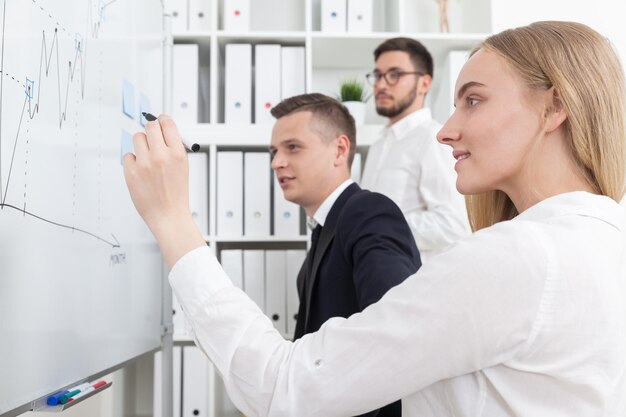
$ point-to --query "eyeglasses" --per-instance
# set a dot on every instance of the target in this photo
(391, 77)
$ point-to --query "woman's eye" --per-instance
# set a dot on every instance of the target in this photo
(471, 102)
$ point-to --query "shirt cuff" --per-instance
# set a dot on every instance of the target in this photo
(196, 277)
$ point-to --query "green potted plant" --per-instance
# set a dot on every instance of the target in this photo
(352, 94)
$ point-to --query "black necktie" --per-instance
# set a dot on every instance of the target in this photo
(314, 238)
(305, 275)
(311, 256)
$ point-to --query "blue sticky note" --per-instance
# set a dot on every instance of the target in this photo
(30, 88)
(144, 106)
(126, 145)
(128, 99)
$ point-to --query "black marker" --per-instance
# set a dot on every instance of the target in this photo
(193, 147)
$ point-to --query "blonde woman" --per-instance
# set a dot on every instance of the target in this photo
(526, 317)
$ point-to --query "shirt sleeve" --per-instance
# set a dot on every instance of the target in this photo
(470, 308)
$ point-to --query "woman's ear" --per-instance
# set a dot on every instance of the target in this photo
(555, 111)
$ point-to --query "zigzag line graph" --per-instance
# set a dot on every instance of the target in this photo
(31, 106)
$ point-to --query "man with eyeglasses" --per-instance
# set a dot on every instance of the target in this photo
(407, 164)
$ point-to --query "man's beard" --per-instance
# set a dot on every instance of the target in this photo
(400, 107)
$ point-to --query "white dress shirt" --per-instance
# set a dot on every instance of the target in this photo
(525, 318)
(409, 166)
(322, 212)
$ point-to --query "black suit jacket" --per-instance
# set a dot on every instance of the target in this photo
(365, 248)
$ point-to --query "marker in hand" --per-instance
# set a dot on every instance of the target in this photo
(193, 147)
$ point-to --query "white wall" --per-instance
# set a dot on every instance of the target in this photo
(605, 16)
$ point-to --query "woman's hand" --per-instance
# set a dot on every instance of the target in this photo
(157, 177)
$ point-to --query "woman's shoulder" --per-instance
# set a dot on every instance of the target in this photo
(508, 245)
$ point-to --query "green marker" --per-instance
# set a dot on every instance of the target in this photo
(65, 398)
(73, 391)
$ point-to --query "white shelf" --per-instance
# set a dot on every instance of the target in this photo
(262, 35)
(260, 239)
(329, 50)
(220, 134)
(421, 36)
(192, 36)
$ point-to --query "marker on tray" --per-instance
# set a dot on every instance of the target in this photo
(193, 147)
(81, 394)
(74, 391)
(54, 399)
(98, 384)
(93, 386)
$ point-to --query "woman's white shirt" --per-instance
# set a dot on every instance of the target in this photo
(525, 318)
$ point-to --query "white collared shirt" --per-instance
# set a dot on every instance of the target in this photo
(409, 166)
(322, 212)
(526, 318)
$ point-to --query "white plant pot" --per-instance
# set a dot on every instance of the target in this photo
(357, 110)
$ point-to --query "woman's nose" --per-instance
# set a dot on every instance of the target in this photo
(449, 132)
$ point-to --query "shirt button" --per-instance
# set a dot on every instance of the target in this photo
(318, 362)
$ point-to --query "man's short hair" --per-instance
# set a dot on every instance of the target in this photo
(330, 118)
(420, 57)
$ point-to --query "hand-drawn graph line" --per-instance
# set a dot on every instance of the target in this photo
(46, 59)
(94, 24)
(115, 244)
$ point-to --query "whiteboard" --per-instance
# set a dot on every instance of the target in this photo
(80, 274)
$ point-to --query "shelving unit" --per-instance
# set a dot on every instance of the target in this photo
(329, 58)
(297, 22)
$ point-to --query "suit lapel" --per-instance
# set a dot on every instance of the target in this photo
(326, 237)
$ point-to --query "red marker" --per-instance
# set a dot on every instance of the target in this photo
(99, 384)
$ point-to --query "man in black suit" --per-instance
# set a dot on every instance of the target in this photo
(361, 244)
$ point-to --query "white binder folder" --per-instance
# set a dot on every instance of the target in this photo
(267, 79)
(456, 60)
(256, 194)
(444, 104)
(334, 15)
(185, 83)
(177, 379)
(360, 16)
(195, 382)
(254, 276)
(199, 15)
(293, 261)
(230, 193)
(292, 71)
(236, 15)
(177, 10)
(275, 291)
(199, 190)
(286, 213)
(238, 84)
(355, 170)
(232, 262)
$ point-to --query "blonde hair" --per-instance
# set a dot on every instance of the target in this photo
(587, 77)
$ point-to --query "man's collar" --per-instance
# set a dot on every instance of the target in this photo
(400, 128)
(322, 212)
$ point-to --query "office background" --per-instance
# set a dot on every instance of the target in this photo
(220, 49)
